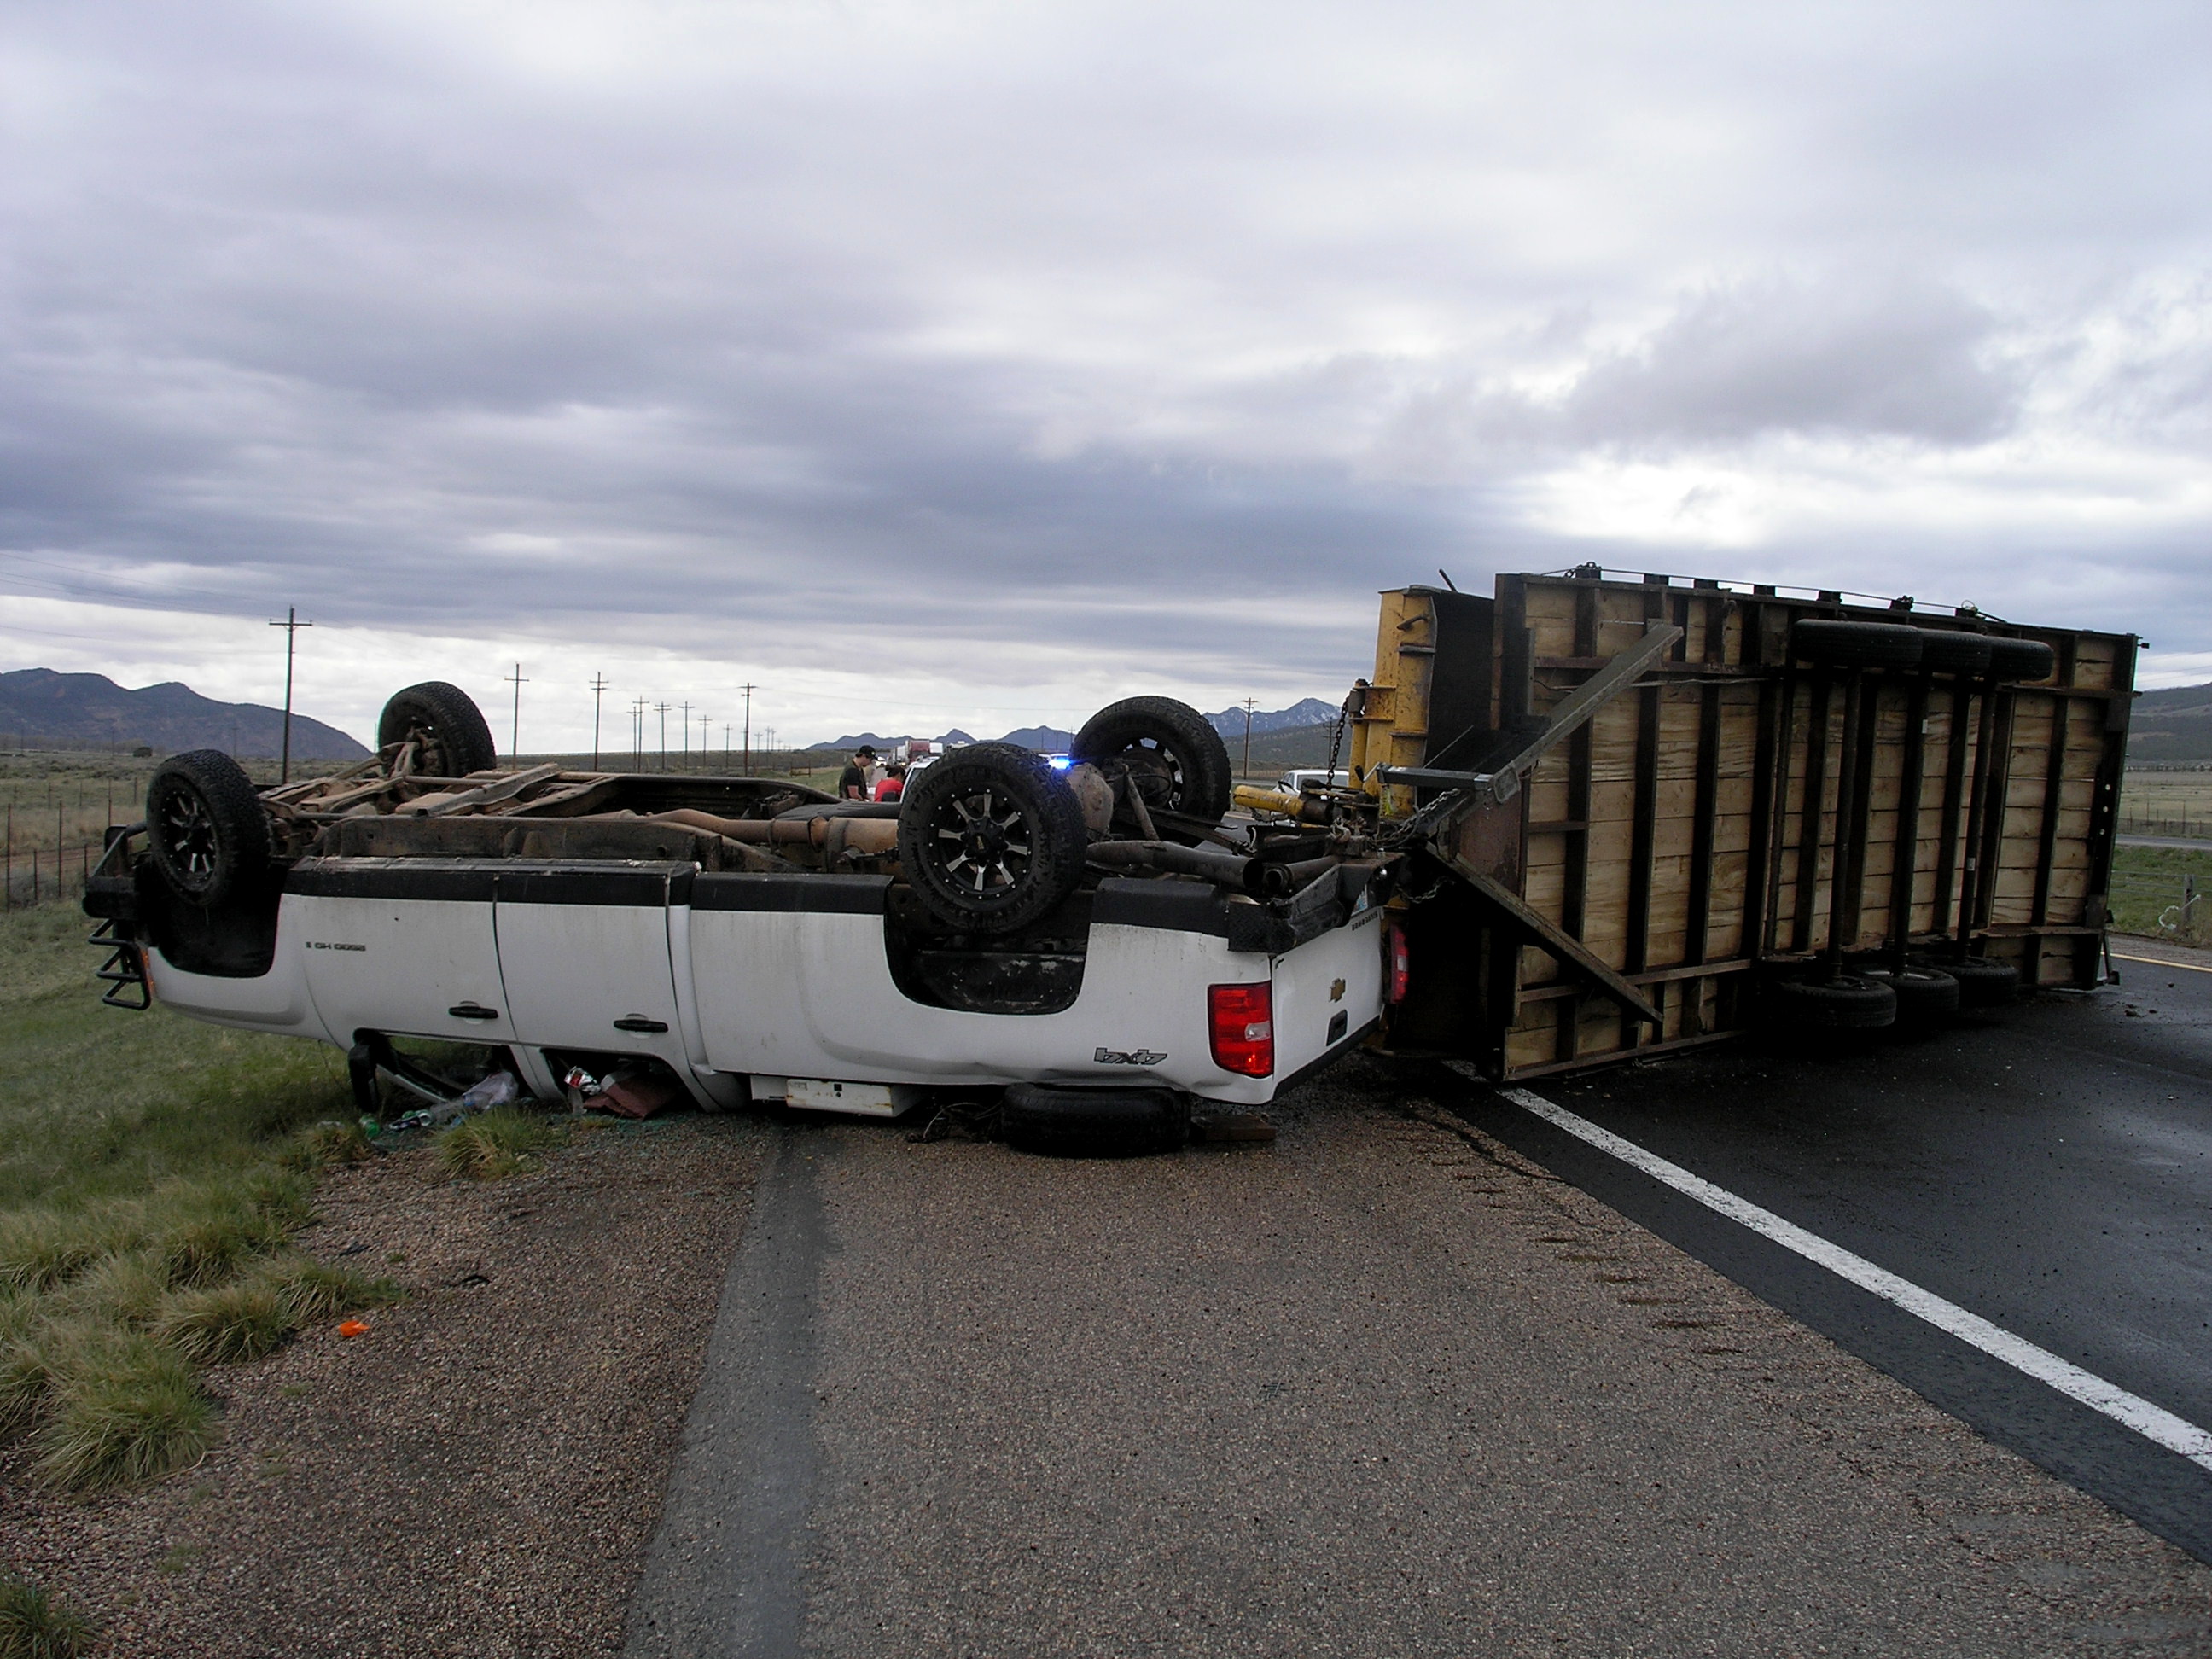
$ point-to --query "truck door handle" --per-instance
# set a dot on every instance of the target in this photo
(472, 1011)
(640, 1022)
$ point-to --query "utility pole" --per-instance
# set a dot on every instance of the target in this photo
(598, 690)
(514, 739)
(637, 734)
(748, 688)
(291, 625)
(684, 733)
(705, 736)
(725, 745)
(1249, 704)
(662, 709)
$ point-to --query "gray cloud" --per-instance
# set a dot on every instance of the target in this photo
(704, 325)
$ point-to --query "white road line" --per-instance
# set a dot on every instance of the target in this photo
(2161, 962)
(2153, 1422)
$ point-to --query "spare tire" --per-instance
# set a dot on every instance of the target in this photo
(1168, 752)
(1947, 651)
(1924, 996)
(1856, 644)
(451, 737)
(991, 838)
(206, 826)
(2021, 659)
(1848, 1002)
(1060, 1122)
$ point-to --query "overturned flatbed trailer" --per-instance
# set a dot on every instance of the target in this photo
(1645, 800)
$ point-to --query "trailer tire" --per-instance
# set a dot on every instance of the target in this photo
(1948, 651)
(1014, 828)
(1856, 644)
(1982, 983)
(205, 825)
(2014, 661)
(1059, 1122)
(452, 739)
(1169, 751)
(1848, 1002)
(1924, 996)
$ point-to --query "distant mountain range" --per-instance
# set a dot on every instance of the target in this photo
(2174, 725)
(42, 709)
(1051, 740)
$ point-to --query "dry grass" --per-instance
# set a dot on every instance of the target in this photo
(33, 1625)
(325, 1146)
(151, 1172)
(498, 1144)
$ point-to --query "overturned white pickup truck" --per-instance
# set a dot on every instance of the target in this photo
(1102, 944)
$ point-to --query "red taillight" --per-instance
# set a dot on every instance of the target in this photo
(1241, 1018)
(1395, 962)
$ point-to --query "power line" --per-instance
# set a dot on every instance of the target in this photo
(514, 740)
(598, 690)
(291, 625)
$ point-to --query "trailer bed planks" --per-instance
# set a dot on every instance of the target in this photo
(1724, 812)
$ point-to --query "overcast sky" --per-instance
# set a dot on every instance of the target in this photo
(976, 365)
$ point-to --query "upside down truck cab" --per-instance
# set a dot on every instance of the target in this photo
(796, 987)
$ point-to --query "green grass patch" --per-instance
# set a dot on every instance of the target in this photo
(35, 1626)
(502, 1142)
(2147, 884)
(151, 1170)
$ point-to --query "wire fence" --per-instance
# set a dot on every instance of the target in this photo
(39, 875)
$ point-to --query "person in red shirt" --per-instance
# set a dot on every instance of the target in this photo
(894, 783)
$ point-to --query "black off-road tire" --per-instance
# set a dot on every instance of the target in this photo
(991, 838)
(1170, 752)
(2015, 661)
(1925, 996)
(1038, 1117)
(1953, 651)
(1856, 644)
(1848, 1002)
(1982, 983)
(445, 724)
(206, 824)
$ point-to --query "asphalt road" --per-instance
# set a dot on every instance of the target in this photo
(2047, 1167)
(1382, 1387)
(2173, 841)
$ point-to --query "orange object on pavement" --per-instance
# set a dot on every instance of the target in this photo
(353, 1327)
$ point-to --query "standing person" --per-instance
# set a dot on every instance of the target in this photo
(894, 783)
(852, 781)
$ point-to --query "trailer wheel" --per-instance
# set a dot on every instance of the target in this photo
(992, 838)
(1949, 650)
(1036, 1117)
(1848, 1002)
(1168, 751)
(1856, 644)
(1924, 996)
(205, 825)
(452, 740)
(1982, 983)
(2013, 661)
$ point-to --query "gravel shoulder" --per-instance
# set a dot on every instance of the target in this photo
(476, 1476)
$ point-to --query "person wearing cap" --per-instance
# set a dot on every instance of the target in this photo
(853, 782)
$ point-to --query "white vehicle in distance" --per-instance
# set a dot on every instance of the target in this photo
(1296, 780)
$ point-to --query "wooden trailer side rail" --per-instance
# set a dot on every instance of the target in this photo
(1712, 813)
